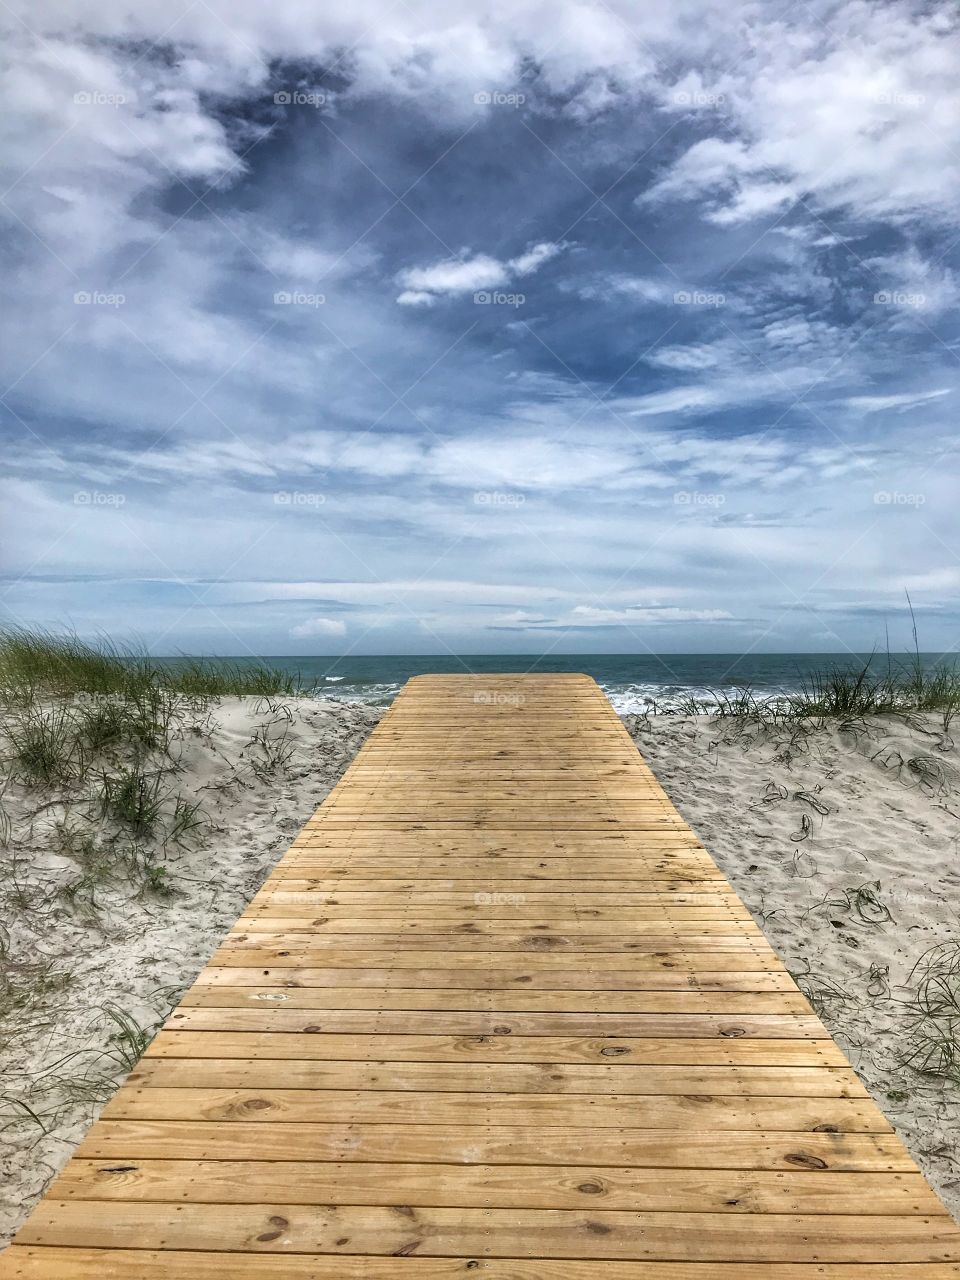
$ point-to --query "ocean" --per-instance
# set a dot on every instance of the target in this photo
(632, 682)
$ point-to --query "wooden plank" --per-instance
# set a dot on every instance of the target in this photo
(487, 884)
(498, 913)
(675, 1113)
(670, 976)
(389, 1230)
(315, 941)
(492, 1047)
(628, 964)
(497, 1012)
(601, 870)
(544, 1077)
(25, 1263)
(125, 1140)
(439, 838)
(580, 1186)
(435, 1022)
(717, 1002)
(563, 932)
(635, 906)
(481, 875)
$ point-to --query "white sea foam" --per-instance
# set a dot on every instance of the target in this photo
(627, 697)
(667, 699)
(377, 695)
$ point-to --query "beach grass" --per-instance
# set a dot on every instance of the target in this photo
(871, 688)
(94, 734)
(934, 1042)
(844, 693)
(37, 662)
(860, 690)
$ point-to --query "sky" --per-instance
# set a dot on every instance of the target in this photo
(396, 326)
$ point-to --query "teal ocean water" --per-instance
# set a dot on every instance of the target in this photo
(633, 682)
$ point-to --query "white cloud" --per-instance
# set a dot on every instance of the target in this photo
(676, 400)
(707, 165)
(911, 284)
(797, 332)
(603, 288)
(901, 401)
(532, 456)
(423, 285)
(862, 115)
(944, 580)
(822, 103)
(315, 627)
(534, 258)
(456, 275)
(593, 616)
(753, 200)
(858, 107)
(300, 261)
(416, 298)
(685, 358)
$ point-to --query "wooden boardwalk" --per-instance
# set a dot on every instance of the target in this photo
(496, 1013)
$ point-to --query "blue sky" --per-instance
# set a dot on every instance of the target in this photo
(405, 327)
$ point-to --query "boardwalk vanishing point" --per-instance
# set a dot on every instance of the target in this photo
(495, 1014)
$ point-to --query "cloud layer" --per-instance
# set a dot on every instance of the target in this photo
(374, 328)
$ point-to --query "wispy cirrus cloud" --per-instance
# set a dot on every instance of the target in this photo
(422, 286)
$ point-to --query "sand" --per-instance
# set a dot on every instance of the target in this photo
(798, 826)
(131, 950)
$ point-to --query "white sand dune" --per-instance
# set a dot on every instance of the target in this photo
(135, 951)
(798, 827)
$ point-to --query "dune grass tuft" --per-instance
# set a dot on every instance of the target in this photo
(45, 751)
(40, 663)
(95, 734)
(934, 1040)
(848, 694)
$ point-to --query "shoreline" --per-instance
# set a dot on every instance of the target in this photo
(804, 824)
